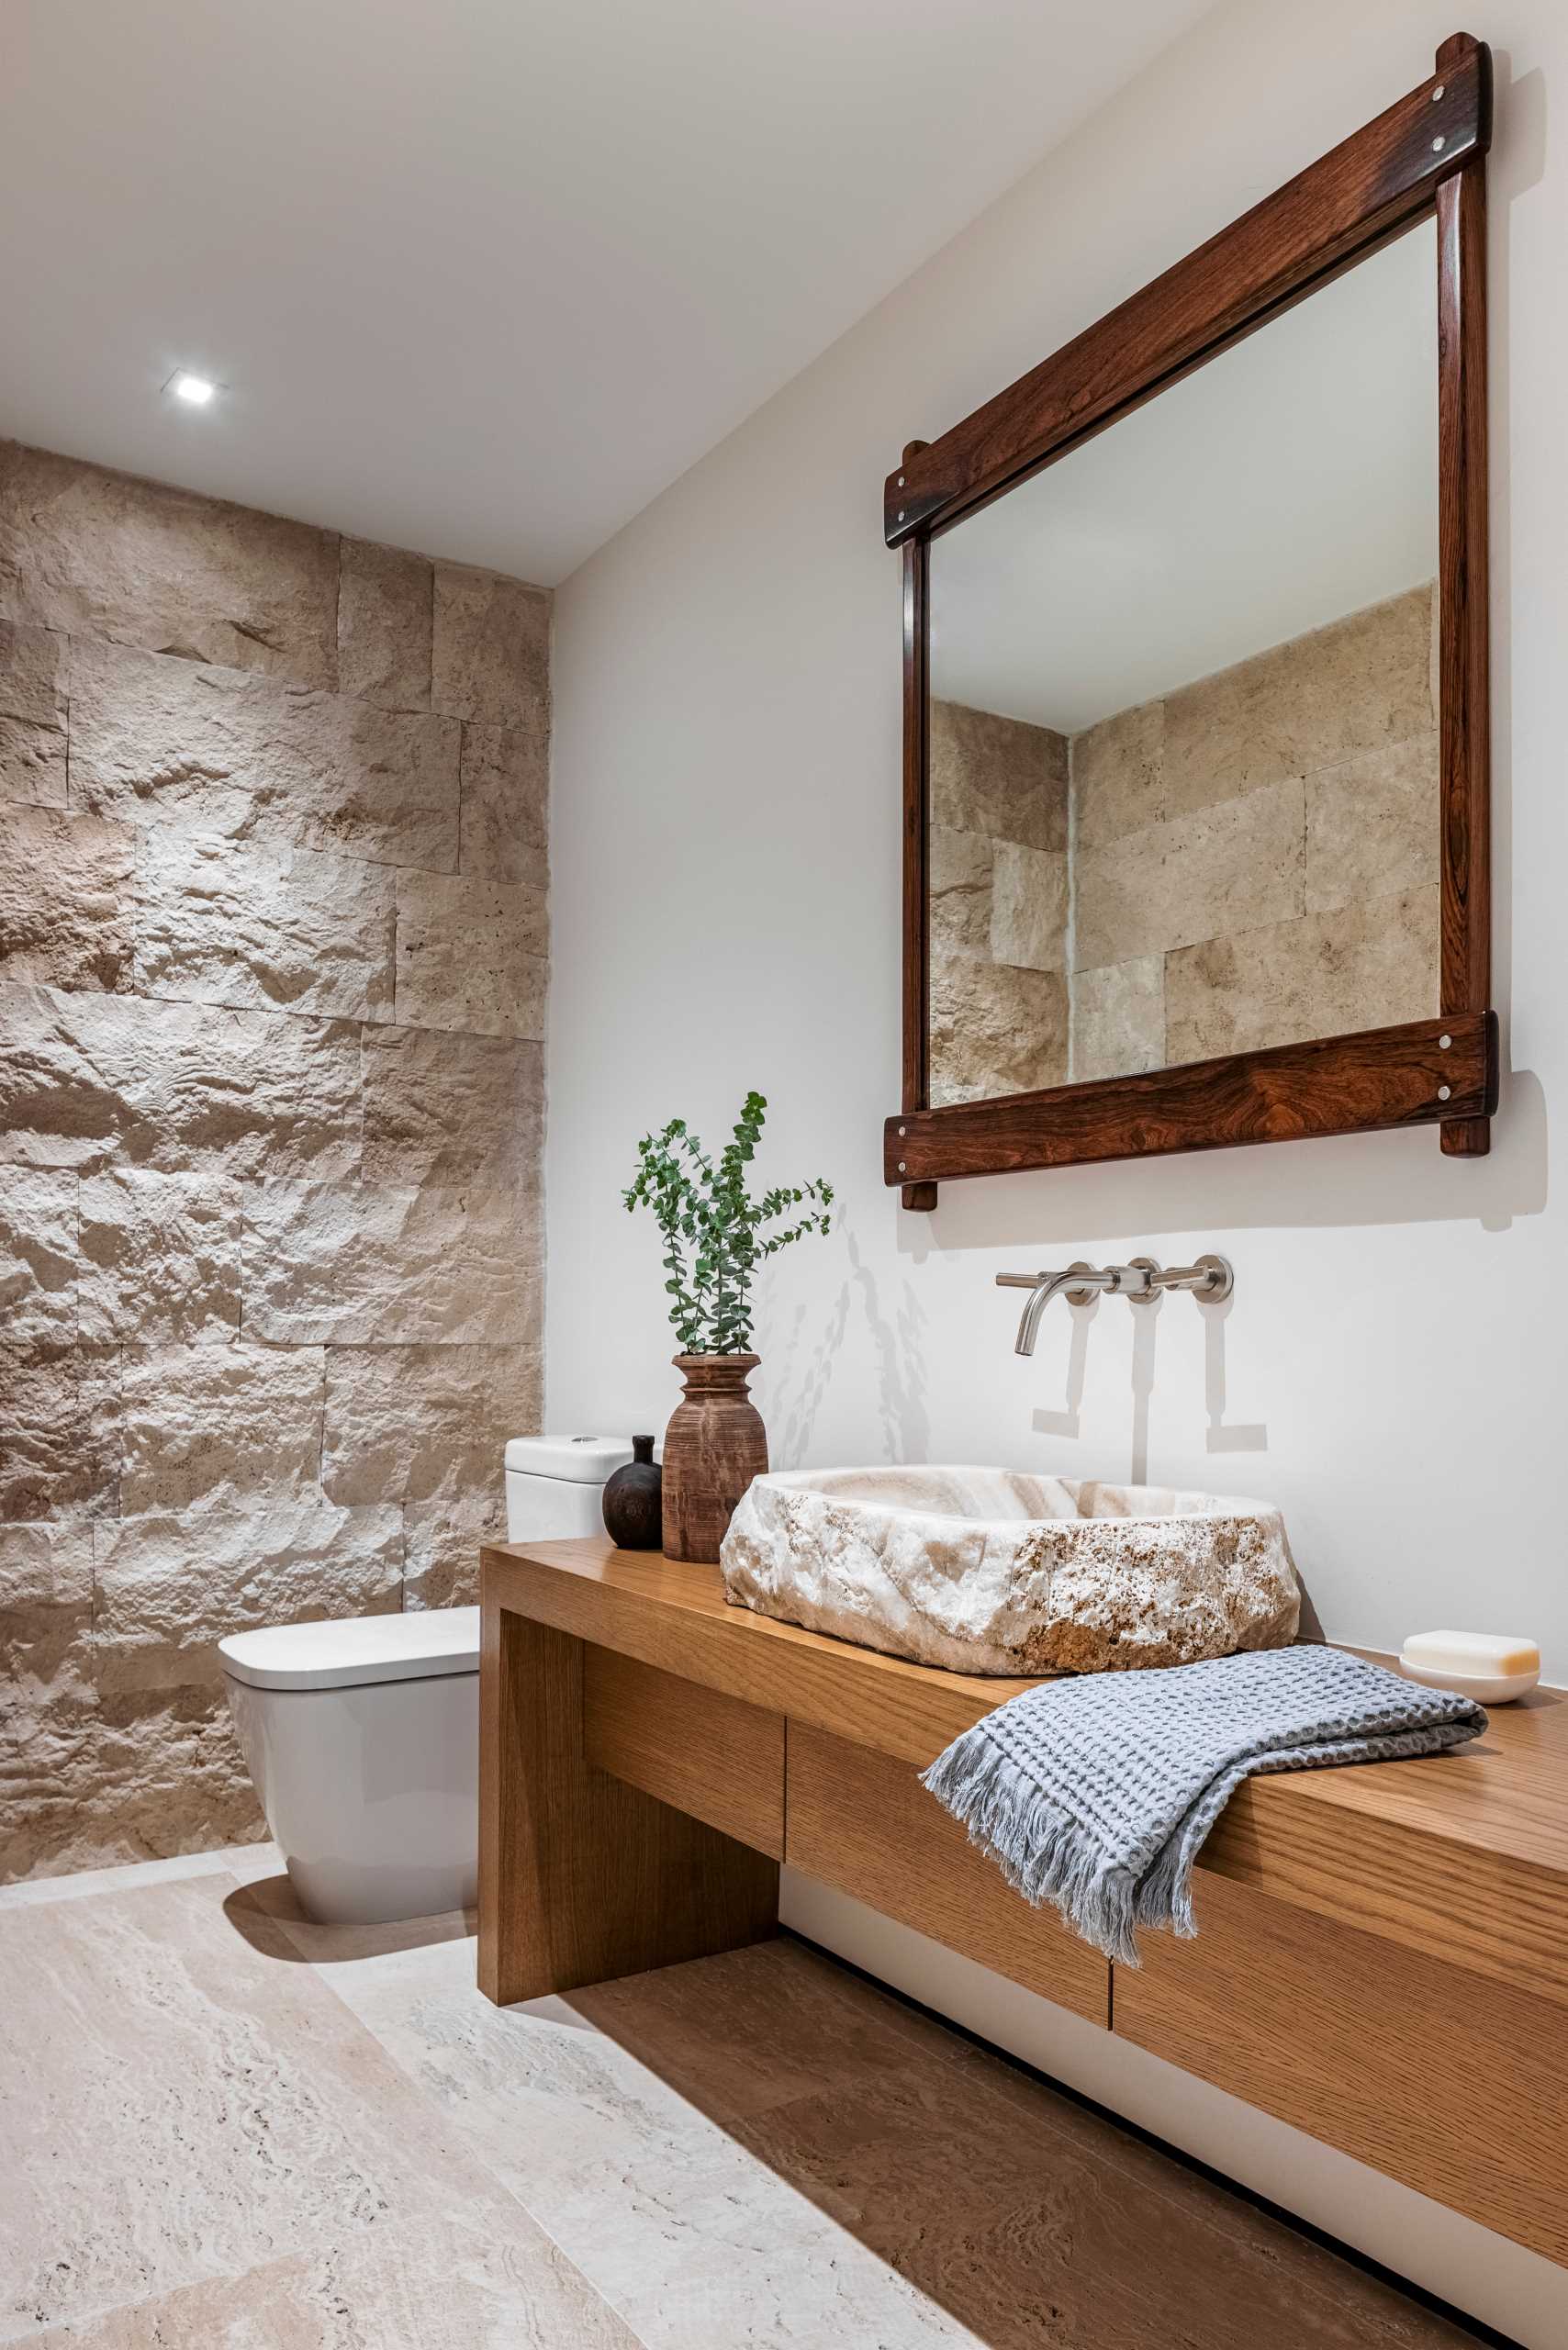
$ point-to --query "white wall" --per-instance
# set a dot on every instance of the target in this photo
(725, 832)
(725, 837)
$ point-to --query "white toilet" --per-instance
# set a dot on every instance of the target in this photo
(363, 1734)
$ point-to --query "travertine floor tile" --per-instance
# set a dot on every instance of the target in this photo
(181, 2110)
(213, 2152)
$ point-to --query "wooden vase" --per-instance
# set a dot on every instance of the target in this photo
(714, 1446)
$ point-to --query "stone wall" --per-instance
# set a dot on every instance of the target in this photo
(1249, 861)
(273, 958)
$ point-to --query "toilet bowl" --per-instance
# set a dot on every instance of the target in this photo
(362, 1739)
(361, 1735)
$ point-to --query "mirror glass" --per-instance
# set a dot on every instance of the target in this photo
(1183, 746)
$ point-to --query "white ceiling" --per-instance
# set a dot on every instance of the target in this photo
(484, 276)
(1291, 480)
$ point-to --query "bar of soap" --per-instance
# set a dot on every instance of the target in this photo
(1492, 1667)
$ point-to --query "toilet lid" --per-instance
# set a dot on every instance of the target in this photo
(356, 1649)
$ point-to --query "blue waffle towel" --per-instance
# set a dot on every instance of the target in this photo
(1096, 1792)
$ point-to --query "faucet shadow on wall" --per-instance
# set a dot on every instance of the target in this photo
(1250, 1436)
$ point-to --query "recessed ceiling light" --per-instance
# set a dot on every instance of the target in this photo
(195, 390)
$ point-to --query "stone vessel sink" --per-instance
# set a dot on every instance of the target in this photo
(988, 1571)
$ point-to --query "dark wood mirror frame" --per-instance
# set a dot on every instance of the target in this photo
(1425, 156)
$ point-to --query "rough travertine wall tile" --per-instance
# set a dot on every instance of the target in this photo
(199, 816)
(46, 1592)
(471, 954)
(424, 1424)
(960, 870)
(1369, 965)
(168, 1591)
(85, 1079)
(491, 656)
(505, 773)
(449, 1109)
(105, 554)
(1118, 775)
(33, 675)
(48, 1715)
(223, 752)
(40, 1265)
(59, 1434)
(386, 601)
(32, 763)
(440, 1547)
(164, 1774)
(229, 1428)
(160, 1257)
(1358, 685)
(1028, 911)
(1233, 867)
(67, 898)
(284, 931)
(1373, 825)
(994, 1029)
(360, 1265)
(998, 775)
(1118, 1018)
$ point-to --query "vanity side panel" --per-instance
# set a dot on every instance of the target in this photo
(1453, 2083)
(583, 1878)
(863, 1822)
(713, 1756)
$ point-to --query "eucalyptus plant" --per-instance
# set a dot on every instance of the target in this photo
(715, 1234)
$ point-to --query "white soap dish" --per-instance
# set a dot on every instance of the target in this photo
(1491, 1667)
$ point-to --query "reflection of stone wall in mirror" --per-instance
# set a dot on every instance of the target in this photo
(998, 880)
(1183, 748)
(1254, 862)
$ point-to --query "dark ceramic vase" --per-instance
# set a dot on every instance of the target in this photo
(634, 1500)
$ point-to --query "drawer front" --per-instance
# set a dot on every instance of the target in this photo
(863, 1823)
(1454, 2084)
(703, 1752)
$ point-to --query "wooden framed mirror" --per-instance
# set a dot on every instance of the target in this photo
(1196, 803)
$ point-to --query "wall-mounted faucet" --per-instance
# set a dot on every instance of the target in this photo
(1140, 1281)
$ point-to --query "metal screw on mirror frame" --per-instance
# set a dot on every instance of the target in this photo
(1438, 145)
(900, 514)
(904, 1168)
(1445, 1093)
(901, 481)
(1438, 93)
(1443, 1044)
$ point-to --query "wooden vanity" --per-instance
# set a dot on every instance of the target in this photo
(1383, 1954)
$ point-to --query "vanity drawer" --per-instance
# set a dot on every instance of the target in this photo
(703, 1752)
(863, 1823)
(1454, 2084)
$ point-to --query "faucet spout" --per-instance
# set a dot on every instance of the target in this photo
(1077, 1282)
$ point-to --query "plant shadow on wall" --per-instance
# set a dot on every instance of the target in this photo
(801, 1379)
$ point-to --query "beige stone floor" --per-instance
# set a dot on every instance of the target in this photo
(225, 2128)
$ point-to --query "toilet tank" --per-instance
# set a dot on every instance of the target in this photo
(555, 1482)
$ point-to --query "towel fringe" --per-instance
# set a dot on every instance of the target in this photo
(1044, 1853)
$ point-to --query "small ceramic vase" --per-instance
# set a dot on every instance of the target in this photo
(634, 1500)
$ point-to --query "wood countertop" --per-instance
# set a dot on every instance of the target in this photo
(1462, 1856)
